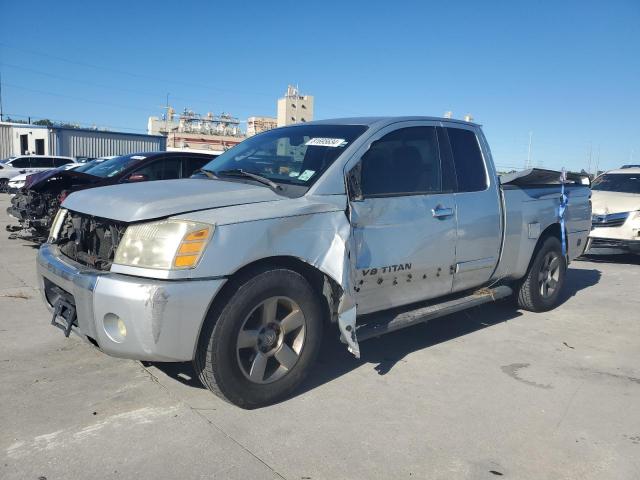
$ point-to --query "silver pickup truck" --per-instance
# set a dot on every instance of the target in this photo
(362, 225)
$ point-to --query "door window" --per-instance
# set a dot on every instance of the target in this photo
(403, 162)
(20, 163)
(41, 162)
(191, 164)
(165, 169)
(470, 172)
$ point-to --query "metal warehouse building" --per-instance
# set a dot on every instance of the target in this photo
(19, 139)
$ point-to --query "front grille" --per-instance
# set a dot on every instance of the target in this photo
(607, 243)
(90, 241)
(609, 220)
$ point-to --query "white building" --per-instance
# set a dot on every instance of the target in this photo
(294, 108)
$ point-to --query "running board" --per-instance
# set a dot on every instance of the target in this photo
(385, 322)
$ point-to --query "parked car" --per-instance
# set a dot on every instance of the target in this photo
(14, 166)
(36, 204)
(366, 224)
(18, 182)
(616, 212)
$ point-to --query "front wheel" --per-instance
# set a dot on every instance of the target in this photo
(264, 340)
(540, 288)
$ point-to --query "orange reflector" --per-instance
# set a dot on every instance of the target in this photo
(186, 261)
(193, 247)
(197, 235)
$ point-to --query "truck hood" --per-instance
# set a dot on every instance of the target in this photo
(614, 202)
(134, 202)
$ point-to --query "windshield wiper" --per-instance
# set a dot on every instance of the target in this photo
(208, 173)
(238, 172)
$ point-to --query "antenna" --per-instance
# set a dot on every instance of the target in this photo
(529, 152)
(1, 112)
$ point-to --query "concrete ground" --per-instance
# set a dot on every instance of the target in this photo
(492, 392)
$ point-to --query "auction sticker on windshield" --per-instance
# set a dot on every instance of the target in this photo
(327, 142)
(306, 175)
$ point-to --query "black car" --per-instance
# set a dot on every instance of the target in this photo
(36, 204)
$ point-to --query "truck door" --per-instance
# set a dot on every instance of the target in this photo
(404, 225)
(478, 208)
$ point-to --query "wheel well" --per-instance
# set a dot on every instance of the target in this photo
(552, 230)
(326, 287)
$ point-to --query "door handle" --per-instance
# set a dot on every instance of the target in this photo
(441, 212)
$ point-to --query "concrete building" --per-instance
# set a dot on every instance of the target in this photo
(260, 124)
(19, 139)
(294, 108)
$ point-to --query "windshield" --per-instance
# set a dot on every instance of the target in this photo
(112, 167)
(295, 155)
(618, 182)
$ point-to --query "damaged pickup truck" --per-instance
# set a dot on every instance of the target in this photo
(363, 225)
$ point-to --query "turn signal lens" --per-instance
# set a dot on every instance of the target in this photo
(202, 234)
(191, 248)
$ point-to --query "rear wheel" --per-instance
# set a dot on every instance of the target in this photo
(263, 341)
(4, 182)
(540, 289)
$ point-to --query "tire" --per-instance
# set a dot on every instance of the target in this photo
(540, 289)
(4, 184)
(273, 314)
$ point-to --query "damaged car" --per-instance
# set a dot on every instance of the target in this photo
(358, 227)
(36, 203)
(616, 212)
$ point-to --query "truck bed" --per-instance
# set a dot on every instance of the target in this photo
(530, 210)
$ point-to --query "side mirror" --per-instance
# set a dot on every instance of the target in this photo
(354, 183)
(137, 177)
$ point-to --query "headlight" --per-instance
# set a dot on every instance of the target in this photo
(166, 244)
(57, 224)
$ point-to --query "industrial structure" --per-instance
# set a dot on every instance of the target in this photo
(294, 108)
(192, 131)
(21, 139)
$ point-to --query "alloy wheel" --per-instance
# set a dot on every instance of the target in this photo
(271, 339)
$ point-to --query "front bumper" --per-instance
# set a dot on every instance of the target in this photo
(162, 318)
(605, 246)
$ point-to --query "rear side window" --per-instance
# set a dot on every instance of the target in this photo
(58, 162)
(470, 171)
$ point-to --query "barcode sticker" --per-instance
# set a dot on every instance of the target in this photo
(327, 142)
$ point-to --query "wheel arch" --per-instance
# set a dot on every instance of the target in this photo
(552, 230)
(327, 287)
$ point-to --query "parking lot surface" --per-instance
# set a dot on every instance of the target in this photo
(491, 392)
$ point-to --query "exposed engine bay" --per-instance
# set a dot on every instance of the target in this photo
(36, 204)
(35, 213)
(90, 241)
